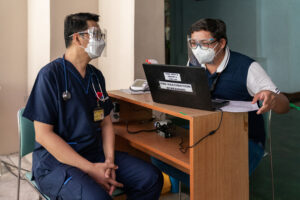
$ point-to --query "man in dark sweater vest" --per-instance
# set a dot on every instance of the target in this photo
(232, 76)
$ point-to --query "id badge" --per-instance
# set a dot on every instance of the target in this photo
(98, 114)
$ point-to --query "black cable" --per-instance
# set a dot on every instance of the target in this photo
(165, 128)
(139, 131)
(184, 149)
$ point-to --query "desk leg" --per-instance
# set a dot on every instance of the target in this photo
(219, 164)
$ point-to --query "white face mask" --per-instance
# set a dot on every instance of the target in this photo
(95, 48)
(204, 56)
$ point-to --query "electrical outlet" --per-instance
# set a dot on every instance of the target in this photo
(163, 128)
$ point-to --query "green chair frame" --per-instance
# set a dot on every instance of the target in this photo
(26, 146)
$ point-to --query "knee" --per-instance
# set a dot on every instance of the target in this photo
(152, 179)
(93, 191)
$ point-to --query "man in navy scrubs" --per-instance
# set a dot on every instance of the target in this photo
(232, 76)
(74, 155)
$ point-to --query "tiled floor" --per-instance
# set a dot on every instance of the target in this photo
(8, 182)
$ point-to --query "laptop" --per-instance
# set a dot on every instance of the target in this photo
(181, 86)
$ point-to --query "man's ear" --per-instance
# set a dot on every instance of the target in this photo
(76, 39)
(223, 43)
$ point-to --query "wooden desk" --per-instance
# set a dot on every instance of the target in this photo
(218, 166)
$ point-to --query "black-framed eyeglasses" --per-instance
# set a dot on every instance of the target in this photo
(203, 44)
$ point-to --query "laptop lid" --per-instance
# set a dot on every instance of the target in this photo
(179, 85)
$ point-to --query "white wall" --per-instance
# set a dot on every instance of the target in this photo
(58, 11)
(134, 32)
(46, 31)
(38, 38)
(149, 38)
(117, 61)
(32, 36)
(13, 70)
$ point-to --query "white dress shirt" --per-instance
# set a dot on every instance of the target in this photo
(257, 78)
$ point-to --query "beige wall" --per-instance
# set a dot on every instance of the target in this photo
(28, 42)
(13, 70)
(58, 11)
(46, 30)
(117, 61)
(149, 41)
(38, 38)
(134, 32)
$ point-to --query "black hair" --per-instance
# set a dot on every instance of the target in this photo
(75, 23)
(216, 27)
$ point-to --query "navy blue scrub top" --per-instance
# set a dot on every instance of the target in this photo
(73, 119)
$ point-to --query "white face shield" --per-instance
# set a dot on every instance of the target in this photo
(94, 33)
(96, 43)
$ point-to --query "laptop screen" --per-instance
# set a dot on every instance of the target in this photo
(178, 85)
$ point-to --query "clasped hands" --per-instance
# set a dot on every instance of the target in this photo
(105, 175)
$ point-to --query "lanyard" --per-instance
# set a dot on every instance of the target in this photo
(99, 97)
(214, 83)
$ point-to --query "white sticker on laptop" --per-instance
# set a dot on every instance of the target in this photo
(172, 76)
(182, 87)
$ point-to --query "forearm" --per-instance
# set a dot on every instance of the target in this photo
(62, 151)
(108, 138)
(282, 104)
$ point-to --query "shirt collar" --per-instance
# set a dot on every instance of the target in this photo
(224, 62)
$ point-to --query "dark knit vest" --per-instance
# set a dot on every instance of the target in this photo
(232, 85)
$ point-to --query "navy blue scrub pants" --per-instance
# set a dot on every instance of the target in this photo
(142, 181)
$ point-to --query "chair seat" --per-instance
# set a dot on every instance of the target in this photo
(28, 176)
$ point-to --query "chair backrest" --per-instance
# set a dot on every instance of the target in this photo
(26, 134)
